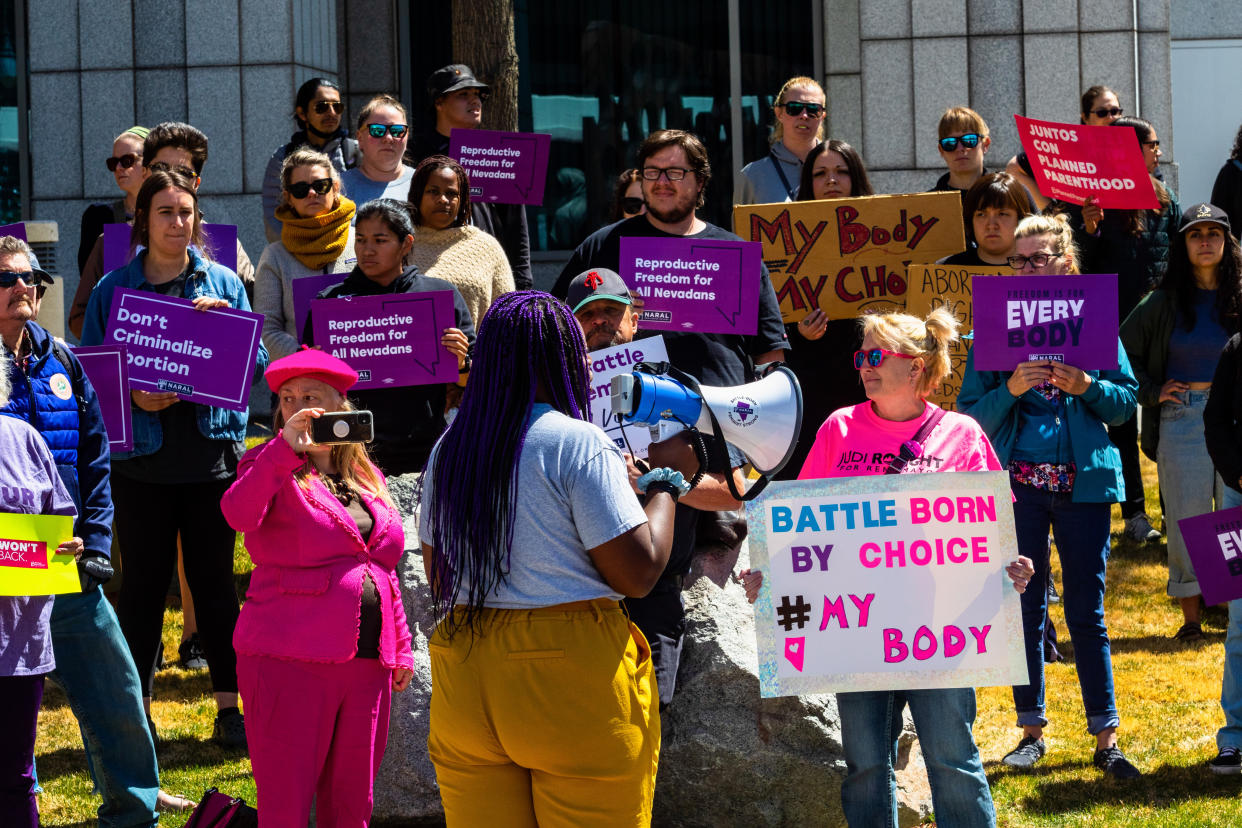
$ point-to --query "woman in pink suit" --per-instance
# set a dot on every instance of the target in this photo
(322, 639)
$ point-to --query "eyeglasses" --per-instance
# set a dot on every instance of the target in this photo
(875, 356)
(32, 278)
(301, 189)
(671, 173)
(970, 140)
(1036, 260)
(1113, 112)
(380, 130)
(125, 161)
(323, 106)
(1152, 144)
(795, 108)
(632, 205)
(160, 166)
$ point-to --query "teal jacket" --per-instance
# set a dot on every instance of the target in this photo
(1109, 400)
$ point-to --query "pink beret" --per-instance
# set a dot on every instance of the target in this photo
(312, 364)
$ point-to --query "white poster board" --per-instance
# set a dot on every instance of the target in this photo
(607, 363)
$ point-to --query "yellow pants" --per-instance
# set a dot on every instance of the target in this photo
(549, 717)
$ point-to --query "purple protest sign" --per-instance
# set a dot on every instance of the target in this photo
(204, 356)
(1214, 542)
(106, 368)
(307, 288)
(701, 285)
(390, 340)
(1070, 319)
(505, 167)
(18, 230)
(221, 245)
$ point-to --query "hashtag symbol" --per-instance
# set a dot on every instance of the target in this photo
(790, 615)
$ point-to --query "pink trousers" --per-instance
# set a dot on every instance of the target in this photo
(315, 732)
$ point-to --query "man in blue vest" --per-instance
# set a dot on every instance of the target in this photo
(93, 664)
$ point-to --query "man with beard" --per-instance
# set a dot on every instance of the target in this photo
(603, 307)
(675, 170)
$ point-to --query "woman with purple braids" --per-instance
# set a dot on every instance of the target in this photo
(544, 707)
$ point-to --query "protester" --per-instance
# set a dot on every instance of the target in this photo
(798, 128)
(29, 484)
(902, 359)
(527, 591)
(675, 171)
(627, 196)
(456, 97)
(604, 308)
(1174, 338)
(316, 237)
(383, 132)
(184, 456)
(1047, 421)
(322, 640)
(407, 420)
(1227, 190)
(991, 210)
(964, 140)
(125, 164)
(446, 245)
(819, 348)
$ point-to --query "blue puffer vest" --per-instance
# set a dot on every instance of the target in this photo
(55, 409)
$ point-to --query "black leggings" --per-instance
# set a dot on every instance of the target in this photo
(1126, 438)
(149, 517)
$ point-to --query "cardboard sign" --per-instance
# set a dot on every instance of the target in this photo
(701, 285)
(107, 369)
(305, 289)
(221, 245)
(1070, 319)
(849, 256)
(16, 230)
(948, 286)
(887, 582)
(390, 340)
(204, 356)
(505, 167)
(607, 363)
(1073, 161)
(28, 565)
(1214, 543)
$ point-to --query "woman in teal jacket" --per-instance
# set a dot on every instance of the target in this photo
(1047, 421)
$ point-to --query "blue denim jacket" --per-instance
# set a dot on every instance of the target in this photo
(203, 279)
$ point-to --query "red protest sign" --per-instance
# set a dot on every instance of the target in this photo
(1073, 161)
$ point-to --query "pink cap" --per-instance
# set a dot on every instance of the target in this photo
(312, 364)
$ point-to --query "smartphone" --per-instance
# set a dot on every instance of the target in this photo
(335, 427)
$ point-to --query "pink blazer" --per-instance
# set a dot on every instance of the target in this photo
(305, 594)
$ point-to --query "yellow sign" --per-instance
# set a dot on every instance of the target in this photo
(948, 286)
(849, 255)
(28, 565)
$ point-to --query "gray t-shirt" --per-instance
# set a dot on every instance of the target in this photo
(573, 495)
(359, 189)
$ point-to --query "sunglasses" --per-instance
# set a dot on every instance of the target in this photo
(160, 166)
(632, 205)
(874, 357)
(323, 106)
(301, 189)
(795, 108)
(1036, 260)
(970, 140)
(32, 278)
(1152, 144)
(1114, 112)
(380, 130)
(125, 161)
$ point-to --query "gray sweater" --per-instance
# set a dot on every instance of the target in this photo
(273, 292)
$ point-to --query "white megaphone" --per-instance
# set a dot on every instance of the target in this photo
(761, 419)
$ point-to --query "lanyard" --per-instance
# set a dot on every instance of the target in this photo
(784, 180)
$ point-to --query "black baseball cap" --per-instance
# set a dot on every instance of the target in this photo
(597, 283)
(451, 78)
(1204, 213)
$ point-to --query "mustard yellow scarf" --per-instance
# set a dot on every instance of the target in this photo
(320, 240)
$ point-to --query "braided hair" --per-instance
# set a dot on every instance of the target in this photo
(528, 341)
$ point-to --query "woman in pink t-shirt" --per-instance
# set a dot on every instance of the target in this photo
(902, 359)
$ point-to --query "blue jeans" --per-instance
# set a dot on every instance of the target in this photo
(1188, 482)
(1231, 687)
(870, 725)
(94, 668)
(1081, 534)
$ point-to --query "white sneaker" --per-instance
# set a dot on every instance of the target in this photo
(1139, 528)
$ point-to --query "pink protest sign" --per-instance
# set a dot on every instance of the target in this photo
(18, 230)
(221, 245)
(23, 554)
(1073, 161)
(505, 167)
(1214, 543)
(107, 369)
(701, 285)
(390, 340)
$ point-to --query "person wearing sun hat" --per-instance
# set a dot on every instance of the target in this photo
(322, 640)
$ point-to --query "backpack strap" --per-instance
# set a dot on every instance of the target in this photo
(912, 449)
(74, 369)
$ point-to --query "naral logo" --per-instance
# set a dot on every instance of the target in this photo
(364, 376)
(744, 411)
(657, 316)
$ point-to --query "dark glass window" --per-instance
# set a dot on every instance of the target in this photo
(10, 194)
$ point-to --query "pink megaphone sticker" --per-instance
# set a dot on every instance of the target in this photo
(795, 651)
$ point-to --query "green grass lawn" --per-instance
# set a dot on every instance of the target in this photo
(1167, 694)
